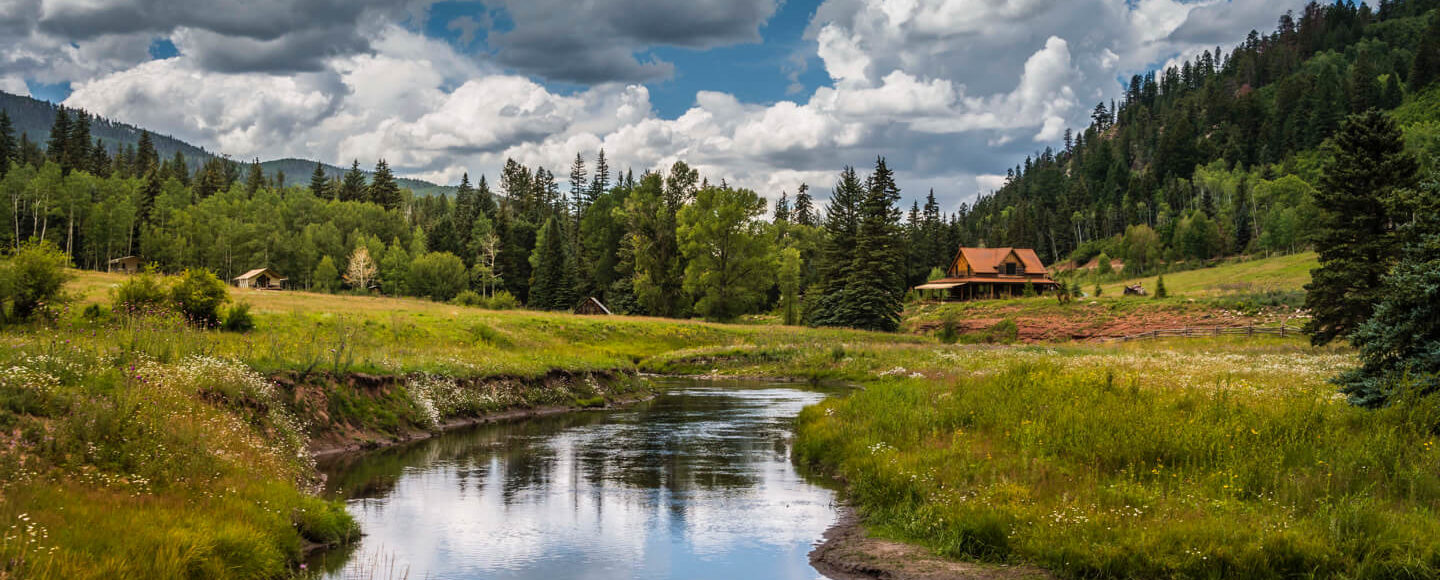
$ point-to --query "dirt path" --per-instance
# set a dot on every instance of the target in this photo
(848, 553)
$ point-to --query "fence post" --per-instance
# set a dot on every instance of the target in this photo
(1282, 331)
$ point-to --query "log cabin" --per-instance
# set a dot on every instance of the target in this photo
(983, 273)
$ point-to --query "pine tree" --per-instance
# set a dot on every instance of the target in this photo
(77, 142)
(782, 208)
(874, 290)
(145, 155)
(7, 143)
(55, 148)
(551, 287)
(383, 188)
(837, 254)
(1365, 90)
(179, 169)
(804, 211)
(1354, 239)
(353, 187)
(1425, 69)
(485, 200)
(100, 162)
(1400, 344)
(579, 181)
(600, 184)
(148, 193)
(464, 215)
(1160, 291)
(255, 179)
(319, 183)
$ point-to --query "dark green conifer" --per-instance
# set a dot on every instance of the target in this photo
(1354, 238)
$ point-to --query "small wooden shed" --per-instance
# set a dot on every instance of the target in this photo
(126, 265)
(591, 305)
(260, 279)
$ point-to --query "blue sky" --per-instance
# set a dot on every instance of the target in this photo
(762, 93)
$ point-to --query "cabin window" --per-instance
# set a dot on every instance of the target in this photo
(1010, 269)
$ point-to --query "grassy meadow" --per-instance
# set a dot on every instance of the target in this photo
(140, 447)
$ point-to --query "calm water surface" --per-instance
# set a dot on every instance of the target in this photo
(695, 484)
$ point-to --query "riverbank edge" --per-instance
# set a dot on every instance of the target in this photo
(339, 442)
(849, 552)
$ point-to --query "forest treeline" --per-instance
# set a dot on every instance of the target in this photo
(1218, 156)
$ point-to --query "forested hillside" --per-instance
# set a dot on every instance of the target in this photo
(1218, 156)
(33, 120)
(1221, 155)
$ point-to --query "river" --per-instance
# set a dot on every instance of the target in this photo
(697, 483)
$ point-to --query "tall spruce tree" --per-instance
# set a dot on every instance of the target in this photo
(77, 143)
(383, 188)
(551, 287)
(1400, 344)
(56, 148)
(782, 208)
(579, 185)
(837, 253)
(146, 156)
(600, 182)
(353, 186)
(319, 183)
(874, 290)
(1354, 238)
(804, 211)
(7, 142)
(179, 169)
(255, 179)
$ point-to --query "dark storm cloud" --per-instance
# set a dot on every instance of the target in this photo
(594, 42)
(228, 35)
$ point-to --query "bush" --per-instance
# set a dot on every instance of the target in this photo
(143, 293)
(1103, 266)
(949, 330)
(95, 313)
(503, 300)
(1098, 290)
(198, 294)
(1160, 288)
(238, 319)
(438, 276)
(33, 278)
(468, 298)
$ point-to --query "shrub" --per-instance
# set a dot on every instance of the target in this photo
(142, 293)
(33, 278)
(1003, 332)
(1029, 291)
(438, 276)
(95, 313)
(198, 294)
(503, 300)
(949, 330)
(1098, 290)
(1160, 287)
(468, 298)
(1103, 266)
(238, 319)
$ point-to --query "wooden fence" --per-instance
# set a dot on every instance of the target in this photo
(1197, 332)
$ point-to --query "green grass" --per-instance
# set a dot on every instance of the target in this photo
(1281, 273)
(1208, 458)
(141, 447)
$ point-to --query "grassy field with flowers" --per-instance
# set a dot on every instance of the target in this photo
(1207, 458)
(135, 445)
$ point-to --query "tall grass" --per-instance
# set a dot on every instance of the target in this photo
(1102, 463)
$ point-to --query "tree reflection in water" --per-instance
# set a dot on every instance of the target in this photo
(696, 483)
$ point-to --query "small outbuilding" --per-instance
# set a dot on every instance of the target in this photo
(127, 265)
(260, 279)
(592, 305)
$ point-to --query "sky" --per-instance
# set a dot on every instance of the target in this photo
(764, 94)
